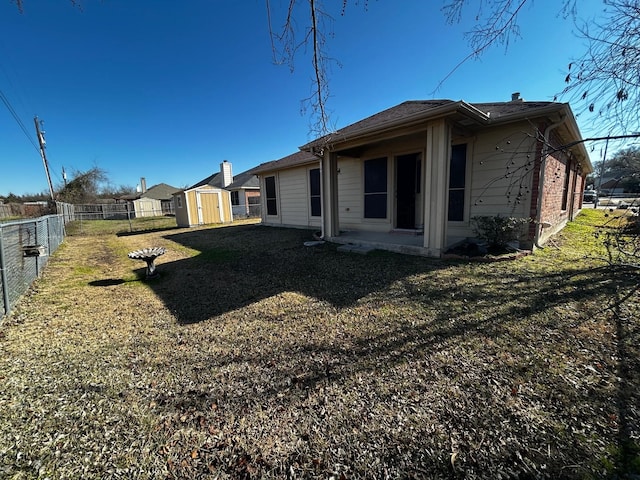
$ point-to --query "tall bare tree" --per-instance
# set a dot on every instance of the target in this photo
(305, 28)
(84, 186)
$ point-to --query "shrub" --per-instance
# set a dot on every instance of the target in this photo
(498, 231)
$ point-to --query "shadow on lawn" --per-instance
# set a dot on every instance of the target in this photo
(241, 265)
(142, 231)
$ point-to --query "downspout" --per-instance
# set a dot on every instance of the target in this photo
(320, 155)
(322, 205)
(543, 168)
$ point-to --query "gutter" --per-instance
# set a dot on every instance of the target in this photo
(543, 166)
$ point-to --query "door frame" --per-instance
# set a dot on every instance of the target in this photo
(417, 187)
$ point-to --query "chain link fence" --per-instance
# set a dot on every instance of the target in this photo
(25, 246)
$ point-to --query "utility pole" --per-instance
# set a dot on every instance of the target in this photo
(42, 143)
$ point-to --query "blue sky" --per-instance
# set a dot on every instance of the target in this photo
(166, 90)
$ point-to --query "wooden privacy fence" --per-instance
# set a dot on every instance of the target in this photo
(25, 246)
(36, 209)
(5, 210)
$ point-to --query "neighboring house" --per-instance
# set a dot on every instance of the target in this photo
(160, 196)
(147, 207)
(153, 202)
(245, 195)
(412, 177)
(611, 186)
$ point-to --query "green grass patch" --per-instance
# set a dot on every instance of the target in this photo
(114, 227)
(252, 356)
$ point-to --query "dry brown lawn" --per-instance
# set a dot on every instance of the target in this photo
(253, 356)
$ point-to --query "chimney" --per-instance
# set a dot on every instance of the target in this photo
(143, 185)
(227, 174)
(515, 97)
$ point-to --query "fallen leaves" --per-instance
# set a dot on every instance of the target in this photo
(316, 365)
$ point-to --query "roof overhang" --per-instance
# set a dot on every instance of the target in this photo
(283, 164)
(464, 114)
(348, 139)
(574, 139)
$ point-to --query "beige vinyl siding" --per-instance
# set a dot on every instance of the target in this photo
(493, 155)
(350, 197)
(294, 196)
(490, 158)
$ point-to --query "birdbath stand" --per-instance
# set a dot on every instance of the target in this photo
(149, 255)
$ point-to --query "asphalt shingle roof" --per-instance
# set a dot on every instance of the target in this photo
(161, 191)
(293, 160)
(490, 112)
(422, 108)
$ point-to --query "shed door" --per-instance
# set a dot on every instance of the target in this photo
(208, 207)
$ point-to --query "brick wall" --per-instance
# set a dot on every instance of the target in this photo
(561, 199)
(562, 192)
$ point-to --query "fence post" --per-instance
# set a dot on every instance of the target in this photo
(3, 274)
(36, 223)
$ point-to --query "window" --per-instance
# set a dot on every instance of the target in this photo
(178, 202)
(270, 187)
(314, 192)
(457, 174)
(565, 187)
(235, 197)
(375, 188)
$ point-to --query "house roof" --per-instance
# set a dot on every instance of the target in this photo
(414, 111)
(214, 180)
(417, 111)
(611, 183)
(246, 179)
(161, 191)
(293, 160)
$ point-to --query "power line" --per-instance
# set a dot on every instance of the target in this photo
(14, 114)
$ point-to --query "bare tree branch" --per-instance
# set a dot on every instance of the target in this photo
(286, 47)
(605, 80)
(500, 27)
